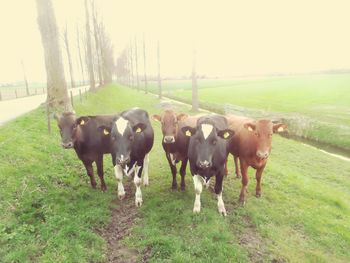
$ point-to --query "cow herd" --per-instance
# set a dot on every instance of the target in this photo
(203, 141)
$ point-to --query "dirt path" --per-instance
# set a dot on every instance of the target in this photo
(123, 219)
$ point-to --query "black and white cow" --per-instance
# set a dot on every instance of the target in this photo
(132, 139)
(207, 154)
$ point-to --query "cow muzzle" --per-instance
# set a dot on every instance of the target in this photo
(67, 145)
(122, 161)
(262, 154)
(169, 139)
(204, 164)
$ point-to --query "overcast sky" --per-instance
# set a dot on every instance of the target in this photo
(231, 38)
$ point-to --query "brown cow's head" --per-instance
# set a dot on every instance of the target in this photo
(169, 121)
(263, 131)
(68, 124)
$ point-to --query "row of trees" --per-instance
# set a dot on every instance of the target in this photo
(96, 61)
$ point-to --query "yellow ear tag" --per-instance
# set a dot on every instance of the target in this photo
(280, 129)
(188, 133)
(226, 135)
(105, 132)
(138, 130)
(82, 122)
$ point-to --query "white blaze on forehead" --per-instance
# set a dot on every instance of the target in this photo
(121, 124)
(206, 129)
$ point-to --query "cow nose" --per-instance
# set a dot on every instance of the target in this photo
(169, 139)
(262, 155)
(123, 161)
(67, 145)
(204, 164)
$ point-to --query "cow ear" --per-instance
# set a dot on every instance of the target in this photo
(226, 134)
(188, 131)
(280, 127)
(105, 130)
(140, 127)
(82, 120)
(156, 117)
(181, 116)
(250, 126)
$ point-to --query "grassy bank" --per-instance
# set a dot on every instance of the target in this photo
(50, 213)
(315, 106)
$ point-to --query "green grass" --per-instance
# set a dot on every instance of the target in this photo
(49, 213)
(316, 106)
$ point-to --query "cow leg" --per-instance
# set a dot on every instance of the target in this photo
(119, 175)
(258, 175)
(90, 173)
(99, 164)
(173, 170)
(198, 189)
(137, 182)
(245, 179)
(183, 173)
(225, 168)
(145, 173)
(218, 190)
(237, 171)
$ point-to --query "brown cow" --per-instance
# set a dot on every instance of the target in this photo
(175, 143)
(251, 144)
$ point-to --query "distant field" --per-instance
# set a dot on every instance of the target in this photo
(319, 103)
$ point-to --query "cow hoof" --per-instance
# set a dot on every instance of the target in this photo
(93, 186)
(145, 183)
(121, 196)
(174, 186)
(238, 176)
(183, 188)
(222, 211)
(103, 188)
(138, 202)
(196, 210)
(242, 202)
(258, 195)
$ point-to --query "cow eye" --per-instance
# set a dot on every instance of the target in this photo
(257, 134)
(213, 142)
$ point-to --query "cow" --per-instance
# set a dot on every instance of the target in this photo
(174, 142)
(131, 140)
(89, 142)
(207, 154)
(251, 144)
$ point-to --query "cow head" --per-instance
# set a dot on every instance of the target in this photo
(123, 134)
(169, 121)
(69, 124)
(204, 139)
(263, 131)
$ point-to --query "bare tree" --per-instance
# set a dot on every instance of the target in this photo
(79, 53)
(107, 55)
(159, 80)
(66, 42)
(131, 66)
(144, 64)
(136, 66)
(194, 85)
(97, 43)
(25, 78)
(57, 94)
(89, 49)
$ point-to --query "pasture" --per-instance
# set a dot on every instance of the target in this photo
(317, 107)
(49, 213)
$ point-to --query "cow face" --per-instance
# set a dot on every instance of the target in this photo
(123, 135)
(69, 125)
(204, 139)
(169, 121)
(263, 131)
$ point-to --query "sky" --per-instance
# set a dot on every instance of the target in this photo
(230, 38)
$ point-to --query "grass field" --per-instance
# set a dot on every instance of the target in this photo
(316, 106)
(49, 213)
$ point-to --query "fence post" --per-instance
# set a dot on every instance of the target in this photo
(0, 96)
(43, 90)
(36, 91)
(16, 93)
(71, 98)
(48, 117)
(86, 95)
(81, 99)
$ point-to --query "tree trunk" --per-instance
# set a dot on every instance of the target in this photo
(159, 80)
(25, 78)
(89, 50)
(144, 63)
(66, 42)
(97, 44)
(57, 94)
(194, 85)
(136, 65)
(131, 66)
(80, 60)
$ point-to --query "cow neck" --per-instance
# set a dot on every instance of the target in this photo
(79, 137)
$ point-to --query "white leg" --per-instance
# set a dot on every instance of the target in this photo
(137, 182)
(119, 175)
(145, 169)
(221, 205)
(198, 189)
